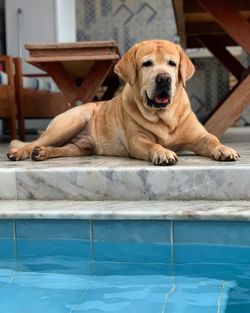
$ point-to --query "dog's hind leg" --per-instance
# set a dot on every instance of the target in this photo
(42, 153)
(61, 130)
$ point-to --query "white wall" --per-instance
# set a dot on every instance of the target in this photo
(38, 21)
(65, 20)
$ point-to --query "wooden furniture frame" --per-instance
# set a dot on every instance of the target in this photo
(32, 103)
(217, 25)
(7, 96)
(78, 69)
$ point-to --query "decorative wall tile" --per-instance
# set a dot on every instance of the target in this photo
(208, 86)
(126, 21)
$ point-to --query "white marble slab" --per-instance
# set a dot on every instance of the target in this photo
(94, 178)
(134, 183)
(123, 210)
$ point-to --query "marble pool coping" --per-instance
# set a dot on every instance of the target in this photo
(126, 210)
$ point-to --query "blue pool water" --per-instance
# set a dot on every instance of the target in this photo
(57, 267)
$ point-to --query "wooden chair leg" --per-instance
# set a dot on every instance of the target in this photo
(12, 128)
(19, 99)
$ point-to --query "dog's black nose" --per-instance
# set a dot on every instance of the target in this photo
(163, 80)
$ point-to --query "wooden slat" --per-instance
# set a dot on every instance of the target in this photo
(36, 60)
(67, 53)
(179, 17)
(192, 6)
(78, 44)
(231, 109)
(43, 104)
(206, 28)
(93, 81)
(224, 56)
(193, 42)
(230, 20)
(63, 80)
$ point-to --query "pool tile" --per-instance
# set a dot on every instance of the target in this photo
(70, 255)
(126, 268)
(212, 232)
(62, 229)
(122, 294)
(198, 294)
(43, 292)
(203, 253)
(132, 252)
(7, 246)
(132, 241)
(6, 229)
(132, 231)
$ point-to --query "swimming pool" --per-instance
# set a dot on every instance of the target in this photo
(124, 266)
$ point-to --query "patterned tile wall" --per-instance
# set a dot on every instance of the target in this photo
(208, 86)
(126, 21)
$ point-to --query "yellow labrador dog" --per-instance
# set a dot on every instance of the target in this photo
(150, 120)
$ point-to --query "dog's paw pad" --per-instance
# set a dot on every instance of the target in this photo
(164, 157)
(225, 154)
(11, 156)
(39, 154)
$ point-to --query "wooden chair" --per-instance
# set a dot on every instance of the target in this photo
(7, 94)
(35, 103)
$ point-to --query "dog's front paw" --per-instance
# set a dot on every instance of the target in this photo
(224, 153)
(18, 154)
(164, 157)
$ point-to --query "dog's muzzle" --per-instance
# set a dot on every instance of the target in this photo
(161, 97)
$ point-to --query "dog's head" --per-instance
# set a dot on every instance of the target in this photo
(155, 67)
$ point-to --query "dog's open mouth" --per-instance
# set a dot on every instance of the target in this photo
(160, 101)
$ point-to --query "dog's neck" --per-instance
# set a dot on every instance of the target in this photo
(170, 116)
(134, 104)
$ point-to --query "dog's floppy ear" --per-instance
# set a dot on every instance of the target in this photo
(126, 67)
(186, 66)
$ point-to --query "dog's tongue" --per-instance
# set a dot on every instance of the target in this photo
(161, 99)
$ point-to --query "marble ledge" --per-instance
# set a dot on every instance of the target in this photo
(127, 210)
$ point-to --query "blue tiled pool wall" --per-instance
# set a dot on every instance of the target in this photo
(80, 245)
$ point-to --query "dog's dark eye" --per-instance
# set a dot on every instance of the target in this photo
(147, 63)
(171, 63)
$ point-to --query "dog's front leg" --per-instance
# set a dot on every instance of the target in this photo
(209, 145)
(144, 147)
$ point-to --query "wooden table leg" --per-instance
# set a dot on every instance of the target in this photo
(231, 109)
(93, 80)
(63, 81)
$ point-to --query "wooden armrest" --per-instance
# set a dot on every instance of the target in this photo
(7, 61)
(36, 75)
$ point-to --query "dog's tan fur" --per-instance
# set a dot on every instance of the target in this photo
(127, 125)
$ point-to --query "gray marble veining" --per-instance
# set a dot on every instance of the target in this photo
(124, 210)
(134, 183)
